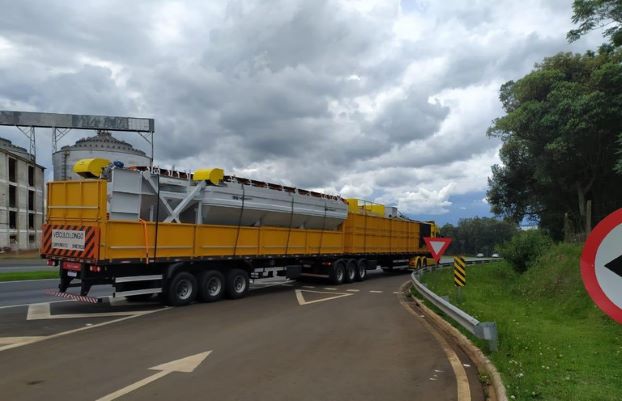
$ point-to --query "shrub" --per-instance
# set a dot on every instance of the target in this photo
(524, 249)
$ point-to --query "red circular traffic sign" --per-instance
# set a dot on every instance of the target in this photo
(601, 265)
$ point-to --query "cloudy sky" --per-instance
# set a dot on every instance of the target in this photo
(383, 100)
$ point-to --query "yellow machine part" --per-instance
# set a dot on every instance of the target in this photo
(353, 205)
(213, 175)
(358, 206)
(90, 168)
(375, 208)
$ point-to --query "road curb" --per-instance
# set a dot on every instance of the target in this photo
(496, 389)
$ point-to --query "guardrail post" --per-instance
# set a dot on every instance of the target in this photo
(483, 330)
(488, 331)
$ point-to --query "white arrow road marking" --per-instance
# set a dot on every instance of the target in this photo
(42, 311)
(302, 301)
(185, 365)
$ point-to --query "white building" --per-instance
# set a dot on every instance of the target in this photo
(21, 198)
(103, 145)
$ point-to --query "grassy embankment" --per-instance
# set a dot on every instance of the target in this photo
(554, 343)
(36, 275)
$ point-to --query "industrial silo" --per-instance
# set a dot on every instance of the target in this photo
(103, 145)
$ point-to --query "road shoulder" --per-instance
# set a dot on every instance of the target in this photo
(492, 389)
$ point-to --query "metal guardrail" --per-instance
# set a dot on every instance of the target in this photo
(483, 330)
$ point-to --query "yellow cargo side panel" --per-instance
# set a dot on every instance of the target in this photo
(374, 234)
(135, 240)
(75, 201)
(215, 240)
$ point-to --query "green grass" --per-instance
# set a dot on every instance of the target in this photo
(36, 275)
(554, 343)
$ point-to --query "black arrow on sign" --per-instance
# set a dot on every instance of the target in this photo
(615, 265)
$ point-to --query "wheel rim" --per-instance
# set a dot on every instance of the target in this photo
(214, 286)
(184, 290)
(362, 272)
(239, 284)
(339, 274)
(351, 273)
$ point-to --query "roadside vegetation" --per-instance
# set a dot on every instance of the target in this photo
(478, 235)
(36, 275)
(554, 343)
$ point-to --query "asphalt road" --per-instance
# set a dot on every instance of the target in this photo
(302, 341)
(22, 265)
(33, 291)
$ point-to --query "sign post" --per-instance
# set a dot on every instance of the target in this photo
(601, 265)
(459, 275)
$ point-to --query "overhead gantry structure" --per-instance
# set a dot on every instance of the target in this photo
(61, 124)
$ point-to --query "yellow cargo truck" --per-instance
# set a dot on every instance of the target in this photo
(205, 235)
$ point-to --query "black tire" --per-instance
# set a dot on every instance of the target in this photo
(361, 270)
(182, 289)
(237, 284)
(139, 298)
(350, 271)
(211, 286)
(338, 272)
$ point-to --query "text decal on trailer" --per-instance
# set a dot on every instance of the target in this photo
(68, 239)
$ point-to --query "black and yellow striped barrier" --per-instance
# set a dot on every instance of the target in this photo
(459, 271)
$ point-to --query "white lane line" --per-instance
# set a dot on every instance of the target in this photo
(330, 289)
(26, 281)
(51, 302)
(396, 292)
(375, 292)
(64, 333)
(353, 290)
(42, 312)
(302, 301)
(16, 340)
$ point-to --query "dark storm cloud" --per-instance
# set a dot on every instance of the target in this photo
(409, 118)
(321, 94)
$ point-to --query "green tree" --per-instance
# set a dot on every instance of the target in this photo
(559, 141)
(596, 14)
(478, 234)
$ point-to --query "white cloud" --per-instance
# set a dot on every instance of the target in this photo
(383, 100)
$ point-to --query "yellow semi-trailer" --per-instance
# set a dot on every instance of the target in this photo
(149, 231)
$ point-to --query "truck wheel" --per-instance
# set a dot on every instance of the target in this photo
(361, 270)
(182, 289)
(338, 272)
(237, 283)
(350, 271)
(211, 285)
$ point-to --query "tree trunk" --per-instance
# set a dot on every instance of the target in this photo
(581, 199)
(588, 217)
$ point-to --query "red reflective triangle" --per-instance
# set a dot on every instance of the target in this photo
(437, 246)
